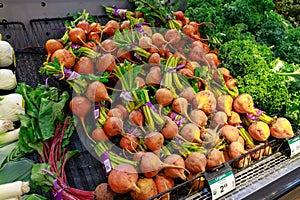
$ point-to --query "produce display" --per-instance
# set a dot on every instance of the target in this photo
(154, 94)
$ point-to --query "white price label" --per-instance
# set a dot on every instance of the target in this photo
(294, 144)
(97, 113)
(222, 184)
(107, 165)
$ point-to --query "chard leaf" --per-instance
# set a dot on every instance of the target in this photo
(42, 178)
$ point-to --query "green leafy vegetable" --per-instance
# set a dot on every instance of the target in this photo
(43, 107)
(16, 171)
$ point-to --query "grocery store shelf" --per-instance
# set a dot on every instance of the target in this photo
(267, 179)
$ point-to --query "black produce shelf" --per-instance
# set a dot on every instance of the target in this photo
(54, 28)
(268, 178)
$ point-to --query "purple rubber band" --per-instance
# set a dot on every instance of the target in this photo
(125, 94)
(151, 106)
(120, 13)
(46, 82)
(58, 194)
(173, 69)
(255, 117)
(75, 46)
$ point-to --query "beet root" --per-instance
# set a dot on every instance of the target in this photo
(205, 100)
(163, 183)
(170, 130)
(230, 133)
(191, 133)
(147, 187)
(196, 162)
(177, 160)
(214, 158)
(154, 141)
(123, 178)
(224, 103)
(104, 192)
(282, 128)
(259, 131)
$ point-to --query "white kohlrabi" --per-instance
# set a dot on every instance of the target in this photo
(8, 79)
(6, 125)
(7, 54)
(11, 106)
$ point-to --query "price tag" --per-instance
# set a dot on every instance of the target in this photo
(105, 160)
(294, 144)
(221, 183)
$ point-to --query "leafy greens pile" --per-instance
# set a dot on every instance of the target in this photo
(252, 39)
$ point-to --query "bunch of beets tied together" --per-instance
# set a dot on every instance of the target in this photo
(154, 104)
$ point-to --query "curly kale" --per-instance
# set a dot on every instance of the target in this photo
(289, 49)
(248, 12)
(293, 109)
(289, 9)
(237, 32)
(291, 73)
(273, 30)
(267, 90)
(242, 57)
